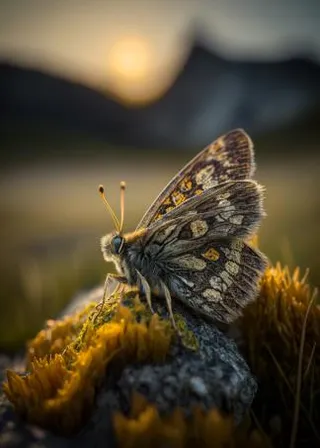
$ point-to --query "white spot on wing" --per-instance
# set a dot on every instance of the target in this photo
(236, 219)
(237, 245)
(226, 278)
(205, 177)
(199, 228)
(190, 262)
(212, 295)
(232, 267)
(224, 203)
(217, 284)
(228, 213)
(233, 255)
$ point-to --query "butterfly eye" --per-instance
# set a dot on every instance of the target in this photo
(117, 244)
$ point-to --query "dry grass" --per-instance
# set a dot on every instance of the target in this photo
(281, 332)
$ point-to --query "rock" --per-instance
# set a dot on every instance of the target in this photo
(211, 374)
(204, 368)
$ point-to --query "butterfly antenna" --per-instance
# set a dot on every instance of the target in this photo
(113, 216)
(122, 190)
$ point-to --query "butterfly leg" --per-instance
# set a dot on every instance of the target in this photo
(147, 290)
(106, 293)
(169, 304)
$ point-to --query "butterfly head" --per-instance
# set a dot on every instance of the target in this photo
(112, 244)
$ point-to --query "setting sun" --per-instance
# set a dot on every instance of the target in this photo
(130, 58)
(133, 73)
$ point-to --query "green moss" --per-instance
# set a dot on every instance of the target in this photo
(187, 336)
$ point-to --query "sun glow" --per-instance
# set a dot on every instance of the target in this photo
(130, 59)
(133, 71)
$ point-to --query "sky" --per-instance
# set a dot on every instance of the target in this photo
(137, 46)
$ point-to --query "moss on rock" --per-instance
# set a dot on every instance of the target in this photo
(68, 362)
(58, 389)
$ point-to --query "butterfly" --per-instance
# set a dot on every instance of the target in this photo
(191, 244)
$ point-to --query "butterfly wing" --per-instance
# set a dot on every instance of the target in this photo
(218, 277)
(230, 157)
(232, 209)
(201, 253)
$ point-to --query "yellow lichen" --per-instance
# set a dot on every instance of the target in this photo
(275, 319)
(59, 389)
(70, 358)
(145, 427)
(57, 335)
(274, 327)
(188, 338)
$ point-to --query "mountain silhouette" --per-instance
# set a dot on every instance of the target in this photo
(209, 96)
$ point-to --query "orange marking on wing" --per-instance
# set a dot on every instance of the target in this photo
(168, 209)
(211, 254)
(158, 216)
(178, 197)
(217, 146)
(186, 185)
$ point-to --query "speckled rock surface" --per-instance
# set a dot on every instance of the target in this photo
(213, 375)
(205, 368)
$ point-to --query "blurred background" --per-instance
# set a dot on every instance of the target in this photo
(98, 92)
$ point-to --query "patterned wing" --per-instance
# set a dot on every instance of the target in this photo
(232, 209)
(218, 278)
(230, 157)
(200, 252)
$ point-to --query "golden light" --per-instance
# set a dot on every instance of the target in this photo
(130, 59)
(134, 74)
